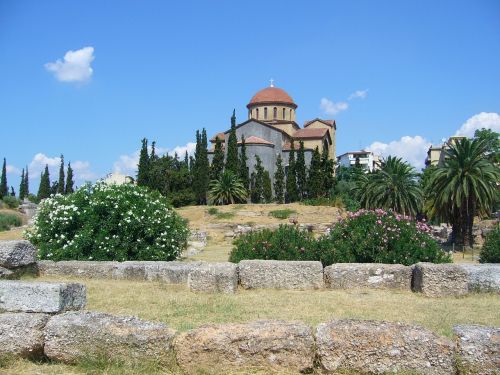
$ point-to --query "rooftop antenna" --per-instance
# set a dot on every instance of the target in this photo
(272, 82)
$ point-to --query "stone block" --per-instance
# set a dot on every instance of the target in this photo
(16, 253)
(170, 272)
(280, 274)
(382, 347)
(368, 275)
(77, 268)
(478, 349)
(276, 345)
(214, 278)
(440, 280)
(41, 297)
(483, 277)
(75, 335)
(6, 274)
(21, 334)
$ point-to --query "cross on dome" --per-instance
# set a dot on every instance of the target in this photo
(272, 82)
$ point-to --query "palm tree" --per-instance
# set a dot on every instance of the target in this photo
(463, 187)
(227, 189)
(394, 187)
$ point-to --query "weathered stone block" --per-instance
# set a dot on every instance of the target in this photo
(77, 268)
(280, 274)
(382, 347)
(368, 275)
(483, 277)
(21, 334)
(6, 274)
(15, 254)
(43, 297)
(478, 348)
(263, 344)
(215, 278)
(440, 280)
(74, 335)
(170, 272)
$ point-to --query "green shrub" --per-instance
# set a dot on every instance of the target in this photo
(282, 214)
(33, 198)
(8, 221)
(490, 253)
(285, 243)
(364, 237)
(10, 201)
(379, 236)
(108, 222)
(319, 202)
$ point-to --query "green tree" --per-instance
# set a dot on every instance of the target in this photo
(315, 181)
(243, 168)
(279, 181)
(291, 180)
(232, 147)
(201, 167)
(257, 193)
(44, 188)
(301, 172)
(153, 155)
(327, 172)
(22, 185)
(4, 190)
(69, 181)
(26, 183)
(228, 189)
(267, 187)
(12, 192)
(394, 186)
(492, 140)
(60, 183)
(218, 161)
(464, 186)
(143, 166)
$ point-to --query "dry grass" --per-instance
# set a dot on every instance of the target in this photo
(182, 309)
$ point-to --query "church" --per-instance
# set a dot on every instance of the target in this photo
(271, 127)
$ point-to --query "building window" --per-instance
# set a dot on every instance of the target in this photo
(284, 111)
(290, 115)
(265, 113)
(257, 113)
(275, 113)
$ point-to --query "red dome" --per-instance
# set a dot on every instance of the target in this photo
(271, 95)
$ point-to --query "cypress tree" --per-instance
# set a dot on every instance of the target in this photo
(3, 180)
(267, 187)
(257, 193)
(232, 148)
(201, 167)
(44, 189)
(26, 183)
(22, 194)
(60, 183)
(315, 182)
(12, 192)
(69, 181)
(153, 156)
(245, 179)
(327, 167)
(291, 180)
(300, 172)
(143, 166)
(186, 160)
(279, 181)
(218, 161)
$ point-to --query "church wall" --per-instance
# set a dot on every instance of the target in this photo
(258, 130)
(266, 153)
(307, 157)
(320, 125)
(289, 112)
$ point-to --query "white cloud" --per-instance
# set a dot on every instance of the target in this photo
(331, 108)
(75, 67)
(127, 164)
(481, 120)
(412, 149)
(82, 170)
(12, 170)
(358, 94)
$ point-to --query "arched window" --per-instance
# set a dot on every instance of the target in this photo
(291, 115)
(265, 113)
(257, 113)
(275, 113)
(283, 113)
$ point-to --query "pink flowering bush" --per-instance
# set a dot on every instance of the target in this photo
(108, 222)
(379, 236)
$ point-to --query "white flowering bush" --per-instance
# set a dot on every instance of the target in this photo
(108, 222)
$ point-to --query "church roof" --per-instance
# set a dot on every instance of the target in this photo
(326, 122)
(271, 95)
(310, 133)
(253, 140)
(218, 135)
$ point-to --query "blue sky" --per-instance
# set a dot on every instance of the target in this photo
(422, 70)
